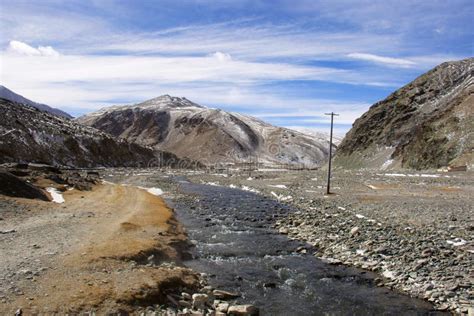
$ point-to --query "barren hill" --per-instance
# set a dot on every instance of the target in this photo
(8, 94)
(429, 123)
(208, 135)
(31, 135)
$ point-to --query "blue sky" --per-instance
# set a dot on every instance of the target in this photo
(284, 61)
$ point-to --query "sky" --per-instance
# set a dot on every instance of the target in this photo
(285, 61)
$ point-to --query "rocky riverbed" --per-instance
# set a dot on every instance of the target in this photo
(415, 230)
(411, 232)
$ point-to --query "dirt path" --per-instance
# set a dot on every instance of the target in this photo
(103, 250)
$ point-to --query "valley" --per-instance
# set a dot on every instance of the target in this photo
(170, 208)
(267, 237)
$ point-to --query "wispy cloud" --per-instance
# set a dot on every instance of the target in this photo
(390, 61)
(251, 56)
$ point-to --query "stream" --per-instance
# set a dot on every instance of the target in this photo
(239, 250)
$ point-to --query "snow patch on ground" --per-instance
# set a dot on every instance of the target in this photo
(456, 242)
(360, 216)
(387, 163)
(393, 175)
(153, 190)
(279, 186)
(281, 197)
(56, 195)
(410, 175)
(210, 183)
(246, 188)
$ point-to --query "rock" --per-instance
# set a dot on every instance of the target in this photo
(13, 186)
(186, 296)
(426, 253)
(184, 303)
(9, 231)
(222, 307)
(243, 310)
(354, 231)
(283, 231)
(199, 300)
(224, 295)
(443, 307)
(470, 311)
(271, 285)
(19, 312)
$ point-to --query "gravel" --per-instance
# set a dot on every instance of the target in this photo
(414, 229)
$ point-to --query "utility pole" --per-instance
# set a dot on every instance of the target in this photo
(328, 191)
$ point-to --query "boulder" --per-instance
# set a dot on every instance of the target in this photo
(11, 185)
(224, 295)
(243, 310)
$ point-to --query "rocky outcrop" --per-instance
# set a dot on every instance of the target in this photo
(14, 186)
(207, 135)
(31, 135)
(429, 123)
(8, 94)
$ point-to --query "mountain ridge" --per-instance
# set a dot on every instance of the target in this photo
(31, 135)
(8, 94)
(206, 134)
(426, 124)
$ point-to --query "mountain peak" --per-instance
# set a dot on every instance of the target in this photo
(167, 101)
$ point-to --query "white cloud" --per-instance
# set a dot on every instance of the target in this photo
(220, 56)
(20, 48)
(389, 61)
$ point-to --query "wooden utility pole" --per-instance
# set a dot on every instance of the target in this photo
(328, 191)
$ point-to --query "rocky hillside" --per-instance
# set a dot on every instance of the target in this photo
(429, 123)
(207, 135)
(8, 94)
(30, 135)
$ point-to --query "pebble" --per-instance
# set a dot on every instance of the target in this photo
(354, 231)
(224, 295)
(243, 310)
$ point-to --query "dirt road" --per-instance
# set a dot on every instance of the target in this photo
(105, 250)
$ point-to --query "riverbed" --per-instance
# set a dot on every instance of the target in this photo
(238, 249)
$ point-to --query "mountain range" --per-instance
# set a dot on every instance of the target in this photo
(428, 123)
(207, 135)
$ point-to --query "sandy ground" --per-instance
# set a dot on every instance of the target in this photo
(110, 249)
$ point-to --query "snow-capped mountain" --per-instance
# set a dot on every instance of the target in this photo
(208, 135)
(8, 94)
(320, 136)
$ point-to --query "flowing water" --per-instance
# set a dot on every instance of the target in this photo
(238, 249)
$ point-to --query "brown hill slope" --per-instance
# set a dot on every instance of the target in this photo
(31, 135)
(429, 123)
(208, 135)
